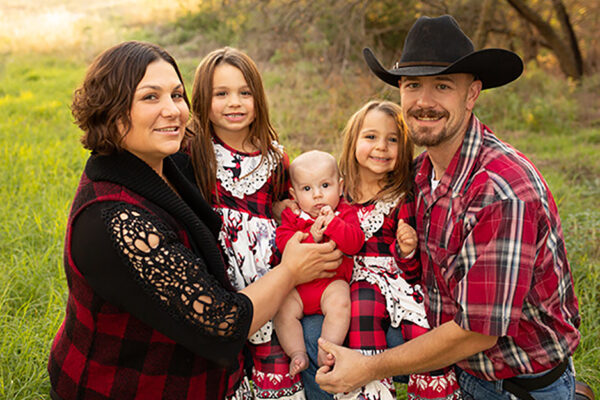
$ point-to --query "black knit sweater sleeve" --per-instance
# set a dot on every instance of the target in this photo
(135, 262)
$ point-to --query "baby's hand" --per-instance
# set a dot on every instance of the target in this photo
(317, 229)
(327, 212)
(407, 238)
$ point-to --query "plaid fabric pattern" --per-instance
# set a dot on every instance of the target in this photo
(237, 213)
(383, 242)
(494, 258)
(379, 264)
(259, 203)
(368, 324)
(369, 320)
(410, 267)
(270, 373)
(379, 243)
(102, 352)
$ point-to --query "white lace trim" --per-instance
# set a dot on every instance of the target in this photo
(372, 221)
(400, 297)
(242, 174)
(263, 335)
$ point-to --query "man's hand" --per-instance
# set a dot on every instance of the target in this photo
(406, 237)
(438, 348)
(343, 375)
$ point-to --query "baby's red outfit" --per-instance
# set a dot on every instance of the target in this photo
(344, 229)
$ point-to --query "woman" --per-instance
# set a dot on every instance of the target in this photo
(150, 312)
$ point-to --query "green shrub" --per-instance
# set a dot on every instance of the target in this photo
(536, 102)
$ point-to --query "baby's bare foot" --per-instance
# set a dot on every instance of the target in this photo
(298, 363)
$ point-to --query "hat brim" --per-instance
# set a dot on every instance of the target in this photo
(494, 67)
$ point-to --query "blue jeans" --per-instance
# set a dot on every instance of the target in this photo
(474, 388)
(311, 325)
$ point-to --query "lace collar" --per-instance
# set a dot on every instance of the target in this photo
(372, 220)
(241, 173)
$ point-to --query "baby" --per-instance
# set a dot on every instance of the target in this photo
(317, 188)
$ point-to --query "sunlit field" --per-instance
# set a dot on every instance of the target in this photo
(75, 25)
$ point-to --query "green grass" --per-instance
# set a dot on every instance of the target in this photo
(41, 160)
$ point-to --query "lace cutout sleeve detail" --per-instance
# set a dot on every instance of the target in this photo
(170, 273)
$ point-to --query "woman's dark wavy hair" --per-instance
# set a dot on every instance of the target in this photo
(104, 99)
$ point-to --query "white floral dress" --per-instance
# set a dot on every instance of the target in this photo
(247, 237)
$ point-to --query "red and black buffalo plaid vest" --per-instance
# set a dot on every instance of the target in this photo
(165, 369)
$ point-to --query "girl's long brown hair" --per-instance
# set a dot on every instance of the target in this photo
(397, 181)
(261, 134)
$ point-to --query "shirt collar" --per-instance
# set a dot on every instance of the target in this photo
(305, 216)
(461, 165)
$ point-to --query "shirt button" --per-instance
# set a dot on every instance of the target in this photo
(434, 290)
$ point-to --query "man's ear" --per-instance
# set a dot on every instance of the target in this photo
(473, 93)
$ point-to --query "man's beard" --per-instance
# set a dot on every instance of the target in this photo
(422, 136)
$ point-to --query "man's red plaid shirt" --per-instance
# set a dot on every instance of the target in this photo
(494, 257)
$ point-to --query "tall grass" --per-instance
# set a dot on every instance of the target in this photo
(41, 160)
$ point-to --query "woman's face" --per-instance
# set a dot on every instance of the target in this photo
(158, 115)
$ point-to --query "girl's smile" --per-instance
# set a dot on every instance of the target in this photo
(232, 105)
(377, 145)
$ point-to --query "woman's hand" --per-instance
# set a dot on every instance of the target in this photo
(308, 261)
(300, 263)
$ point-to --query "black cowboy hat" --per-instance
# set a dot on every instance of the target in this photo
(437, 46)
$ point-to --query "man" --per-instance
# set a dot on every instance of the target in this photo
(499, 289)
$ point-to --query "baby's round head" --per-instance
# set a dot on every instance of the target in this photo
(315, 181)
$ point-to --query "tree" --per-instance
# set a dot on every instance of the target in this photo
(563, 42)
(485, 18)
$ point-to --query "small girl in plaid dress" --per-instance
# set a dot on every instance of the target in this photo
(242, 169)
(376, 165)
